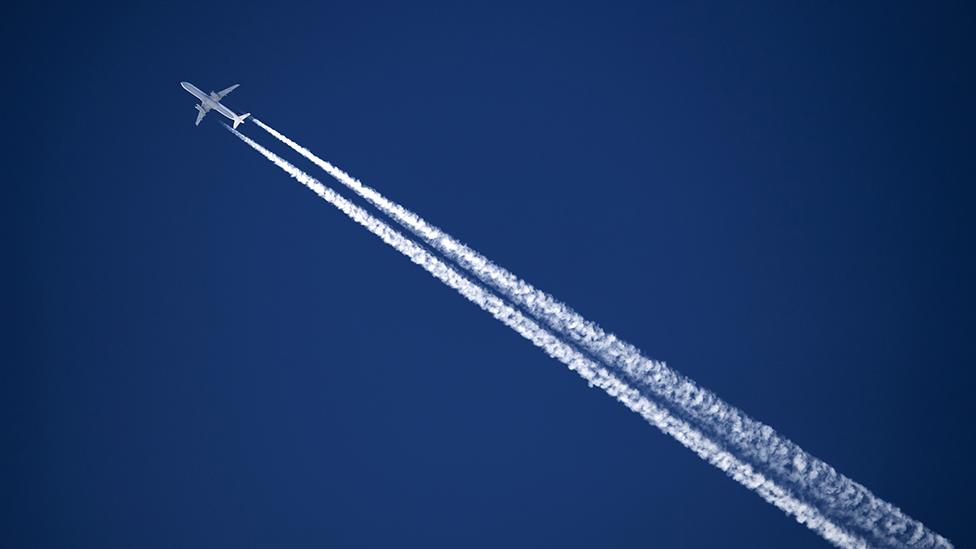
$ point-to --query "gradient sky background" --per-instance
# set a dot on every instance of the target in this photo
(775, 200)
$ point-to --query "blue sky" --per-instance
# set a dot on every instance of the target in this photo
(773, 199)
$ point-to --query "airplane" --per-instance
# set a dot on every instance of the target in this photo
(212, 101)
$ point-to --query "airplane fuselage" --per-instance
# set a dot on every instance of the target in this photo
(208, 102)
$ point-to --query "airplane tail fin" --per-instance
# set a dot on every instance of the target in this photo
(240, 119)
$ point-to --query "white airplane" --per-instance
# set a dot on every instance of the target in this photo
(212, 101)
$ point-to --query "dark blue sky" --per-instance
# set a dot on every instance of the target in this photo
(775, 200)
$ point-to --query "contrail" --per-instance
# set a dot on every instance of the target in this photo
(836, 494)
(593, 373)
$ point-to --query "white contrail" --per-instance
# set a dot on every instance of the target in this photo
(837, 495)
(595, 375)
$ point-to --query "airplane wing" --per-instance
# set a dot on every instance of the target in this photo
(220, 95)
(200, 115)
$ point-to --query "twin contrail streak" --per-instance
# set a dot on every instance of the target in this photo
(837, 496)
(595, 374)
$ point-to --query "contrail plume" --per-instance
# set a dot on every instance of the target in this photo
(835, 494)
(594, 373)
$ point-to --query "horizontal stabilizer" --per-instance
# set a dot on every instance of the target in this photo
(240, 119)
